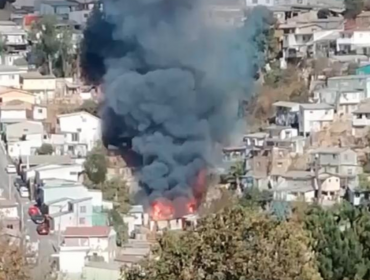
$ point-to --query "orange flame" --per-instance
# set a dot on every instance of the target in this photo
(162, 210)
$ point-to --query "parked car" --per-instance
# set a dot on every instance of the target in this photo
(24, 192)
(34, 210)
(11, 169)
(38, 219)
(18, 182)
(43, 229)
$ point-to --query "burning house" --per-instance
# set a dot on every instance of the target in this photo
(172, 88)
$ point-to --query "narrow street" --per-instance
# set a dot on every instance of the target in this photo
(46, 243)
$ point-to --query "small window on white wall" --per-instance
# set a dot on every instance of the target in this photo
(82, 221)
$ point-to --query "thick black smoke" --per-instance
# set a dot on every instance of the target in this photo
(4, 2)
(172, 83)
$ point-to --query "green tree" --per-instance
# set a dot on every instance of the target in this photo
(52, 48)
(116, 190)
(116, 221)
(96, 165)
(45, 149)
(340, 253)
(236, 171)
(364, 182)
(232, 244)
(45, 42)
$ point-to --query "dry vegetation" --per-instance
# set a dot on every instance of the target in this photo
(280, 85)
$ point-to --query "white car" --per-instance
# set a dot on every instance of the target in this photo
(10, 169)
(23, 191)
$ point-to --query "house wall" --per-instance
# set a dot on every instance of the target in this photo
(41, 85)
(74, 192)
(40, 113)
(10, 79)
(20, 114)
(9, 212)
(85, 126)
(17, 95)
(23, 148)
(80, 217)
(254, 141)
(331, 184)
(72, 260)
(315, 120)
(349, 83)
(92, 273)
(69, 172)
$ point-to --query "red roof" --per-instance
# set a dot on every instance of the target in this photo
(95, 231)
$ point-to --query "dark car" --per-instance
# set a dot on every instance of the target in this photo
(43, 229)
(38, 219)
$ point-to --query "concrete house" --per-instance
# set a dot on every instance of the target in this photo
(302, 186)
(84, 243)
(361, 120)
(351, 83)
(80, 128)
(255, 140)
(344, 101)
(315, 117)
(70, 172)
(60, 8)
(287, 113)
(66, 212)
(24, 138)
(295, 186)
(9, 214)
(42, 87)
(9, 94)
(334, 160)
(14, 38)
(356, 40)
(9, 76)
(284, 138)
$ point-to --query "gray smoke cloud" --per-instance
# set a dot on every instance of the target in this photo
(176, 90)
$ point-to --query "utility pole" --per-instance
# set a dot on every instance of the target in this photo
(10, 186)
(317, 179)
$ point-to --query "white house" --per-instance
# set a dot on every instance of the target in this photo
(315, 117)
(354, 40)
(9, 76)
(14, 37)
(286, 138)
(80, 128)
(43, 87)
(66, 212)
(345, 101)
(255, 140)
(9, 214)
(84, 243)
(70, 172)
(361, 120)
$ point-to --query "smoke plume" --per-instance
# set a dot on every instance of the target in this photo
(172, 83)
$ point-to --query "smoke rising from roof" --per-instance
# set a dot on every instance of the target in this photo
(172, 83)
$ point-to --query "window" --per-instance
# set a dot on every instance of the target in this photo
(12, 77)
(1, 100)
(39, 111)
(9, 226)
(83, 209)
(75, 137)
(254, 1)
(73, 173)
(82, 221)
(349, 171)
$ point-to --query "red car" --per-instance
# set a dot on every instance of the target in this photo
(34, 210)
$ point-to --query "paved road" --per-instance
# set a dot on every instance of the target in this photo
(46, 243)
